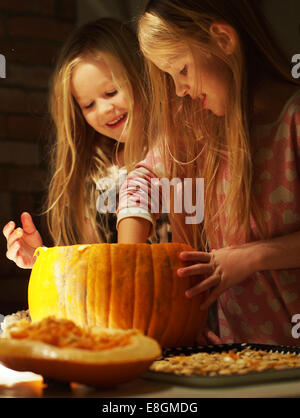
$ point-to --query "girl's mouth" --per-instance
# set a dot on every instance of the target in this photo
(115, 123)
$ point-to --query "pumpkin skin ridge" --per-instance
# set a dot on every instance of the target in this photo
(81, 285)
(152, 288)
(69, 287)
(143, 300)
(134, 286)
(89, 295)
(193, 318)
(85, 290)
(193, 327)
(153, 310)
(61, 285)
(76, 309)
(110, 290)
(94, 295)
(121, 313)
(153, 291)
(103, 290)
(168, 338)
(196, 312)
(61, 282)
(160, 308)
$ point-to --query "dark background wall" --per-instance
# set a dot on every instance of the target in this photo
(31, 33)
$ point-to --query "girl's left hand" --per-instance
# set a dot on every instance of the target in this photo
(222, 268)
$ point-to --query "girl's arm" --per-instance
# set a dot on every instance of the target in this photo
(135, 222)
(276, 254)
(133, 230)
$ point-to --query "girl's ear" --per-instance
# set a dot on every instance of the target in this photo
(225, 37)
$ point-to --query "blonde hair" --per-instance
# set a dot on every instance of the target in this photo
(169, 26)
(80, 155)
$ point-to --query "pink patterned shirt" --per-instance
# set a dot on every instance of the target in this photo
(259, 309)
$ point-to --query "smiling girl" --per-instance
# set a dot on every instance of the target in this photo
(227, 110)
(97, 100)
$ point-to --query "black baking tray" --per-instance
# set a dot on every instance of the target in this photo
(226, 380)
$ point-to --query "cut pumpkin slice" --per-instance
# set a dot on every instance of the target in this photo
(59, 349)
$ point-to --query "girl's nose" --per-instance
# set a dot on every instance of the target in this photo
(181, 90)
(104, 107)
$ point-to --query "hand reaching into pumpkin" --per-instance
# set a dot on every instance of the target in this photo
(220, 268)
(22, 242)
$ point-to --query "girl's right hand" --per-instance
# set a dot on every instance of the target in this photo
(22, 242)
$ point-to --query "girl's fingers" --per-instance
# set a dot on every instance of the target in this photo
(203, 286)
(199, 256)
(12, 251)
(195, 269)
(14, 236)
(20, 262)
(7, 230)
(27, 223)
(19, 256)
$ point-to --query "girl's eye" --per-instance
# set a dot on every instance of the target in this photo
(89, 106)
(111, 93)
(184, 70)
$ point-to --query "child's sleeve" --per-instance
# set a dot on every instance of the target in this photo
(139, 195)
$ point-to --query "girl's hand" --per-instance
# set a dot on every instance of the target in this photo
(22, 242)
(221, 268)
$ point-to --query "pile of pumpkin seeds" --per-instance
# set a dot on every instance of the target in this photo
(227, 363)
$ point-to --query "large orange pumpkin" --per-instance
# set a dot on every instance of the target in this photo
(118, 286)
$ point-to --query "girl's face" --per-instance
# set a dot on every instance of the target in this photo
(104, 107)
(200, 76)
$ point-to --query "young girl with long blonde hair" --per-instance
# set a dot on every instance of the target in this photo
(226, 109)
(97, 100)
